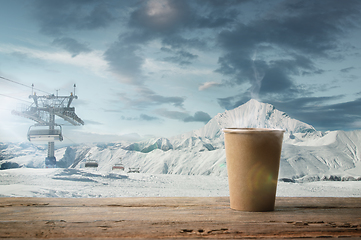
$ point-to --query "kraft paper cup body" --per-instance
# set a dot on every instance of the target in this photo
(253, 159)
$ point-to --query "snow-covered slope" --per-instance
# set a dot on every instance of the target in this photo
(307, 154)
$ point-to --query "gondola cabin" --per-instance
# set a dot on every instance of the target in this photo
(39, 133)
(118, 167)
(91, 164)
(133, 170)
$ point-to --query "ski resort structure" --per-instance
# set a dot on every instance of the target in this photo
(43, 111)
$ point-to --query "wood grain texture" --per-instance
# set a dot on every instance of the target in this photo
(184, 217)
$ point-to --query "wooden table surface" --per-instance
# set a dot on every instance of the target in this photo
(184, 217)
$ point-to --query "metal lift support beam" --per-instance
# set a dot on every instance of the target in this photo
(43, 111)
(33, 115)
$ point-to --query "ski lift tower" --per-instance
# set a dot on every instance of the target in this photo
(43, 111)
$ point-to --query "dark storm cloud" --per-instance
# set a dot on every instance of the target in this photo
(233, 101)
(71, 45)
(216, 13)
(57, 17)
(142, 117)
(180, 57)
(344, 115)
(129, 118)
(146, 97)
(185, 117)
(146, 117)
(124, 60)
(179, 42)
(160, 17)
(226, 103)
(198, 117)
(346, 70)
(164, 17)
(177, 115)
(158, 99)
(168, 21)
(300, 31)
(220, 4)
(275, 80)
(269, 52)
(150, 97)
(322, 113)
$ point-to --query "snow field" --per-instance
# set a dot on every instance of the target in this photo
(75, 183)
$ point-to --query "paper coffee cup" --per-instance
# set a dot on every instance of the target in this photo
(253, 159)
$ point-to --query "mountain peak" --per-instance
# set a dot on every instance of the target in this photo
(253, 114)
(254, 102)
(255, 106)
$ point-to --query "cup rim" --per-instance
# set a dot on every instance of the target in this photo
(251, 130)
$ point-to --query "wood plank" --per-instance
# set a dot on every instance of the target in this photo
(183, 217)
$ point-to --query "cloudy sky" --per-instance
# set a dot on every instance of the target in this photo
(165, 67)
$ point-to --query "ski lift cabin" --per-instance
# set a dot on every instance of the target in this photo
(133, 170)
(118, 167)
(91, 164)
(39, 133)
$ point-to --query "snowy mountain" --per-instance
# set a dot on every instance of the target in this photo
(252, 114)
(307, 154)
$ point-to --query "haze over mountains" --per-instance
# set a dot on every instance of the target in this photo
(307, 154)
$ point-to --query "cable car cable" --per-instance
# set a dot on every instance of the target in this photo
(69, 139)
(24, 85)
(15, 98)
